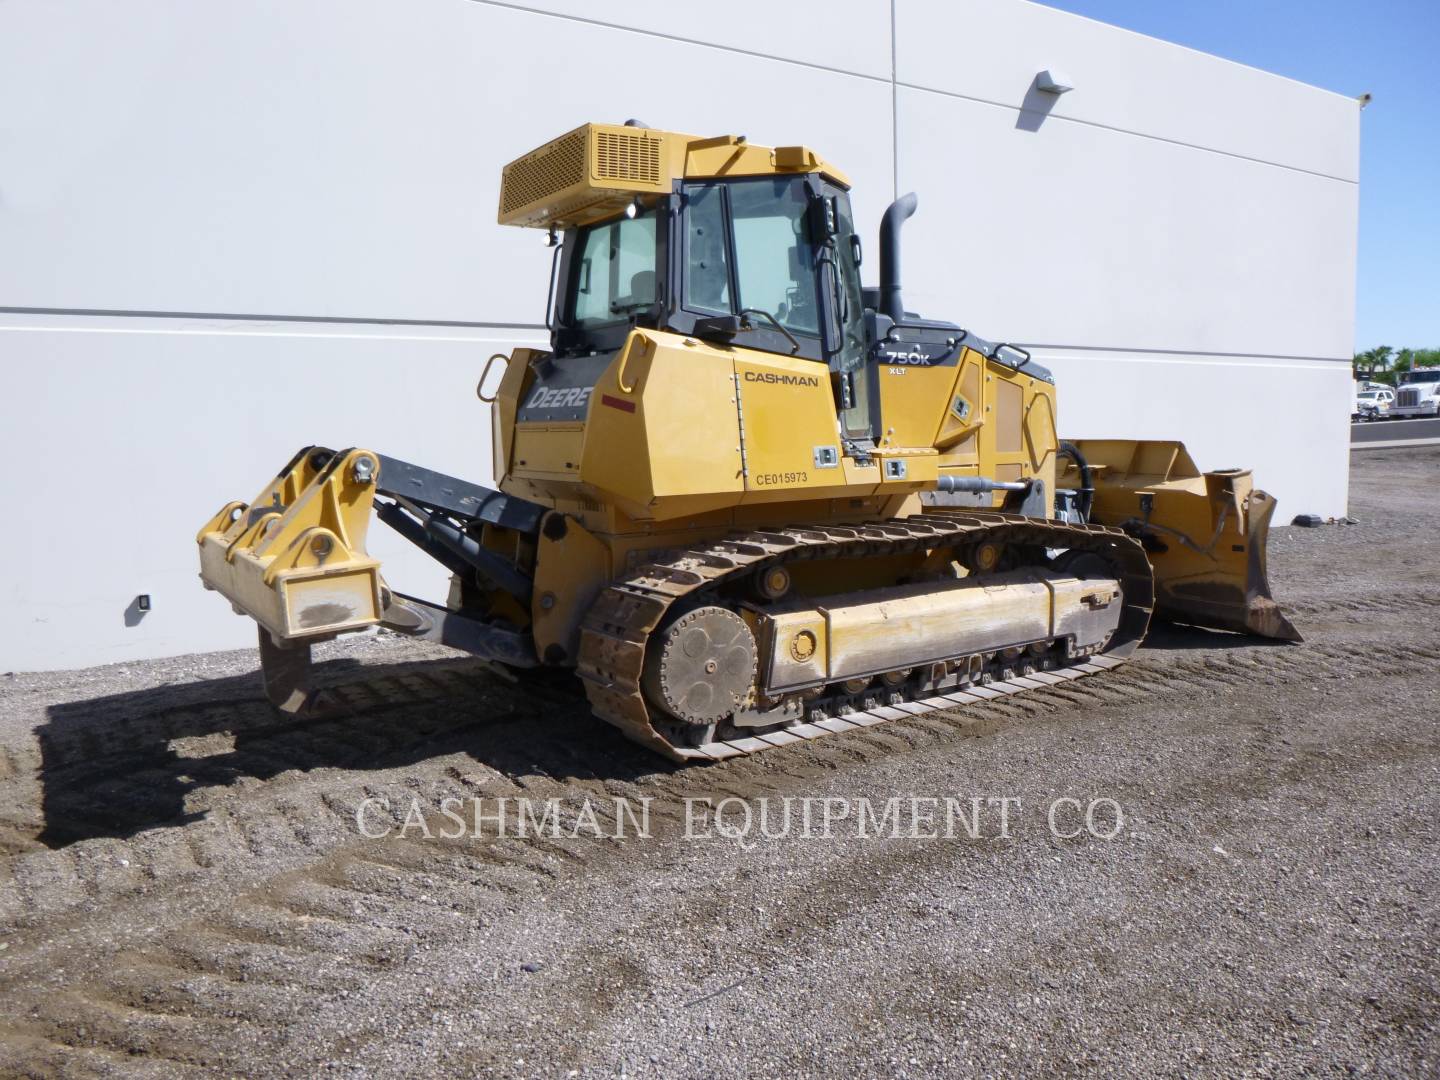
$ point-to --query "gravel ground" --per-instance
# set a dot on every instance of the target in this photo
(184, 887)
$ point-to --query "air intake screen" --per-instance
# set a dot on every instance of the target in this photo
(631, 158)
(587, 175)
(540, 176)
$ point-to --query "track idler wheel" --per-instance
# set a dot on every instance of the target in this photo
(701, 668)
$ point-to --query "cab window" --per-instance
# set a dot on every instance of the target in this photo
(774, 263)
(707, 276)
(614, 271)
(746, 247)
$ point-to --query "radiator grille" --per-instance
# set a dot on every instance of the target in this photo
(541, 175)
(631, 158)
(1408, 398)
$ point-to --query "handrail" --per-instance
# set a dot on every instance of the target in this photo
(480, 386)
(630, 346)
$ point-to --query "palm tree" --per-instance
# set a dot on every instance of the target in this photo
(1372, 362)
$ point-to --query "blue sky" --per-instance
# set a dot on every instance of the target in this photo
(1390, 48)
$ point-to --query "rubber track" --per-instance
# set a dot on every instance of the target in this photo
(617, 628)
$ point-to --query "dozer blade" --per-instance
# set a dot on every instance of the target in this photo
(1205, 533)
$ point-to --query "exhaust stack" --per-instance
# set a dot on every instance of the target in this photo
(895, 216)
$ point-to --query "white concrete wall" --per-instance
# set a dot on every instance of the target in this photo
(1176, 237)
(229, 230)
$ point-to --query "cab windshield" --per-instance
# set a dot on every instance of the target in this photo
(775, 259)
(772, 255)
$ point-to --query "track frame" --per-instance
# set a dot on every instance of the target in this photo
(617, 629)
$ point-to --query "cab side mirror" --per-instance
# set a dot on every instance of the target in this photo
(718, 327)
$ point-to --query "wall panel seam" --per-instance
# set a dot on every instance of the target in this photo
(1136, 134)
(894, 107)
(232, 316)
(680, 39)
(1185, 352)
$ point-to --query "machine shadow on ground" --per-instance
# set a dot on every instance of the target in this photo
(114, 766)
(1178, 637)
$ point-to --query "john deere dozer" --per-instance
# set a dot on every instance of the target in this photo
(745, 499)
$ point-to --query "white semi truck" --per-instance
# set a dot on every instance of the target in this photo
(1417, 395)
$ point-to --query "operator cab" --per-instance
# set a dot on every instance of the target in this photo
(769, 263)
(669, 233)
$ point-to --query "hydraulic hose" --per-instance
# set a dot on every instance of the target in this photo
(1087, 486)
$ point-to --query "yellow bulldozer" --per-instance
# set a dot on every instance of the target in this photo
(747, 500)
